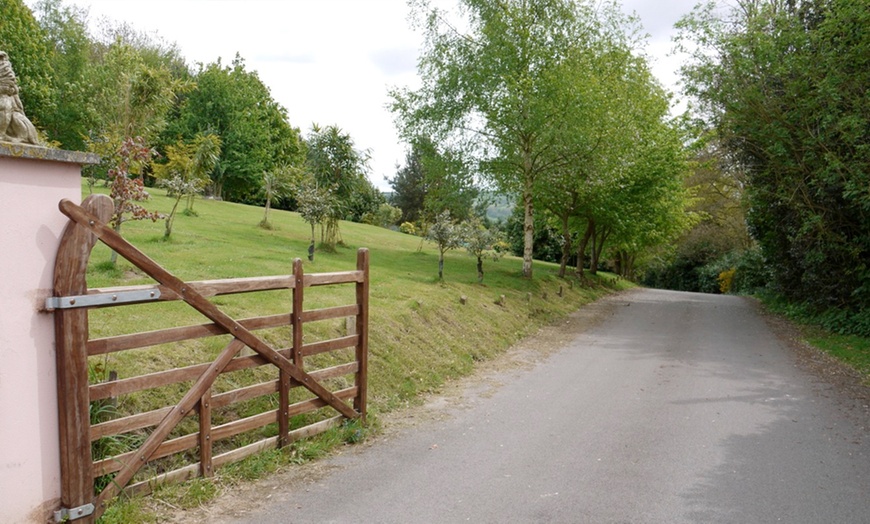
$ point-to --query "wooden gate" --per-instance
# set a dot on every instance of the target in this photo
(71, 304)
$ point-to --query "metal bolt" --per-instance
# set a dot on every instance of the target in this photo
(90, 222)
(114, 297)
(72, 301)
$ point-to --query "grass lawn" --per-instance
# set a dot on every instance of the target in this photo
(420, 334)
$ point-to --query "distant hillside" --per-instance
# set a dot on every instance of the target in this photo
(499, 210)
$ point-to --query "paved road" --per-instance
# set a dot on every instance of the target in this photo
(678, 408)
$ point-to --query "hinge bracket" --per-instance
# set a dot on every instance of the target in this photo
(102, 299)
(68, 514)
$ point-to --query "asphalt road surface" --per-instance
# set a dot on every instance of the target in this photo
(677, 408)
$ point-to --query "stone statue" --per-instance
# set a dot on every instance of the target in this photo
(14, 125)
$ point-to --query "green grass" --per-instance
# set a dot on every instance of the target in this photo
(852, 350)
(420, 335)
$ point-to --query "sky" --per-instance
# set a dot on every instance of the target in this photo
(332, 62)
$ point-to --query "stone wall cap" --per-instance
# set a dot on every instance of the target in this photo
(8, 149)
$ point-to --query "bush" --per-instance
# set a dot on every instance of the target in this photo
(752, 274)
(385, 216)
(726, 279)
(408, 228)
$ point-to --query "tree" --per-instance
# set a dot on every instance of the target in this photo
(479, 242)
(255, 134)
(335, 163)
(279, 183)
(409, 186)
(132, 90)
(29, 50)
(386, 216)
(186, 172)
(498, 92)
(447, 235)
(133, 156)
(783, 83)
(71, 115)
(206, 151)
(177, 187)
(315, 205)
(433, 181)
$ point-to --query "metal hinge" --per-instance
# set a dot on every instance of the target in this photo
(101, 299)
(66, 515)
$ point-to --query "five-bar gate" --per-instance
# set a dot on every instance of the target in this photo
(157, 430)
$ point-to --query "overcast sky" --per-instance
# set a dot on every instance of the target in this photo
(331, 61)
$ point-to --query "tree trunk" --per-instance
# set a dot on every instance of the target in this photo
(266, 214)
(479, 269)
(171, 218)
(581, 248)
(528, 231)
(441, 266)
(114, 256)
(598, 240)
(566, 246)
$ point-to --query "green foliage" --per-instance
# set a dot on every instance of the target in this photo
(409, 186)
(132, 88)
(333, 162)
(752, 274)
(480, 242)
(315, 205)
(408, 228)
(784, 85)
(447, 235)
(72, 114)
(547, 245)
(283, 182)
(549, 103)
(367, 200)
(185, 173)
(386, 216)
(495, 90)
(256, 138)
(30, 53)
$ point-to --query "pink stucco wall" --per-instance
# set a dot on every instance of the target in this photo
(30, 227)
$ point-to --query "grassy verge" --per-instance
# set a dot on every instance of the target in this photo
(852, 350)
(420, 334)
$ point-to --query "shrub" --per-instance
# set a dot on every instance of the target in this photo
(726, 278)
(408, 228)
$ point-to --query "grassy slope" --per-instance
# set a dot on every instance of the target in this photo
(420, 334)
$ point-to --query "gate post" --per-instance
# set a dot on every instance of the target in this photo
(32, 181)
(71, 337)
(362, 329)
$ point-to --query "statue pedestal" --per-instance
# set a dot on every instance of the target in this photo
(32, 182)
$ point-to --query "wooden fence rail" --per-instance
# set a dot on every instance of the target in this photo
(157, 430)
